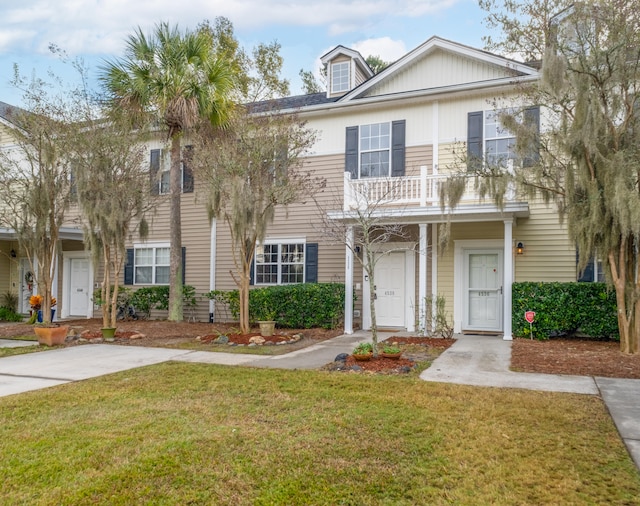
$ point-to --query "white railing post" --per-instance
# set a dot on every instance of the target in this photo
(423, 186)
(348, 192)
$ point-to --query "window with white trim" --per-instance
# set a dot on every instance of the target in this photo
(279, 263)
(375, 147)
(499, 142)
(340, 77)
(164, 180)
(151, 265)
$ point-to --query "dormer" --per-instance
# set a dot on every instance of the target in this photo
(346, 69)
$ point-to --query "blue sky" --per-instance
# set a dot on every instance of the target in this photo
(96, 29)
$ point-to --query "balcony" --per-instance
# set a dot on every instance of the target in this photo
(418, 191)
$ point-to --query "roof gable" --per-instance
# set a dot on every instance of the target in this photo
(438, 63)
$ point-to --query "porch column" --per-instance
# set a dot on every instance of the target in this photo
(212, 269)
(422, 277)
(508, 279)
(348, 283)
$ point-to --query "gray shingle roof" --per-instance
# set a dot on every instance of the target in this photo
(295, 102)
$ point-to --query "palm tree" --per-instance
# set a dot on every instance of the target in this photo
(175, 79)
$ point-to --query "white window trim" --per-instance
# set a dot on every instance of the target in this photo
(509, 161)
(280, 242)
(165, 154)
(333, 81)
(388, 149)
(154, 246)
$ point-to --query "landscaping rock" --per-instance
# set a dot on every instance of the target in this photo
(222, 339)
(256, 340)
(341, 358)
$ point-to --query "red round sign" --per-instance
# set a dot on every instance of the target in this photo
(529, 316)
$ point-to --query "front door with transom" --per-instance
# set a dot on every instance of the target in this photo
(390, 289)
(483, 290)
(79, 287)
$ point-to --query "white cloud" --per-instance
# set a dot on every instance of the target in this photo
(387, 49)
(100, 26)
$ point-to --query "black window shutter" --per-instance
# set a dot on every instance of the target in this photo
(474, 139)
(184, 264)
(311, 263)
(128, 267)
(351, 152)
(153, 171)
(398, 129)
(187, 170)
(532, 120)
(252, 270)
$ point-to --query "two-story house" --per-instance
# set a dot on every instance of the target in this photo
(408, 126)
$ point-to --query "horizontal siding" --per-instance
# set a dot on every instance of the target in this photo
(549, 254)
(331, 127)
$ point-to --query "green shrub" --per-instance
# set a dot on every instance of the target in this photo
(147, 298)
(298, 306)
(9, 315)
(10, 301)
(565, 309)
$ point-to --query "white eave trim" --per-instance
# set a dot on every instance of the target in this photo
(460, 214)
(69, 233)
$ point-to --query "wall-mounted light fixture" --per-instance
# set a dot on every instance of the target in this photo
(13, 253)
(357, 250)
(519, 248)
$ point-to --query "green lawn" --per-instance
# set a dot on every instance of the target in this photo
(201, 434)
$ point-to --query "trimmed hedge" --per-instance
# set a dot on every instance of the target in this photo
(565, 309)
(300, 306)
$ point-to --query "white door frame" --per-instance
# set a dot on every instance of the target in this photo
(66, 281)
(409, 250)
(460, 247)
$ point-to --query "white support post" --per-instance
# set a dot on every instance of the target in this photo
(348, 284)
(212, 270)
(423, 186)
(422, 276)
(434, 264)
(507, 279)
(347, 192)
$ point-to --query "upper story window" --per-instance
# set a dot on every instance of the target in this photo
(340, 77)
(499, 143)
(376, 150)
(160, 166)
(375, 145)
(491, 143)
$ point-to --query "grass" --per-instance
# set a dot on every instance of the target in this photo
(201, 434)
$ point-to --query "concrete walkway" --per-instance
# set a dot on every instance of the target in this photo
(472, 360)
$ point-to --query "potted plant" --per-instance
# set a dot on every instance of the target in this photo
(48, 333)
(267, 323)
(363, 351)
(390, 351)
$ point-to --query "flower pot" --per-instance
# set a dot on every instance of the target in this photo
(362, 357)
(394, 356)
(53, 312)
(267, 328)
(51, 336)
(109, 333)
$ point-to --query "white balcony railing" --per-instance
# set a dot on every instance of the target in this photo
(422, 190)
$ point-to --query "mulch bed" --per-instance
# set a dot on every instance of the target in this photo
(574, 356)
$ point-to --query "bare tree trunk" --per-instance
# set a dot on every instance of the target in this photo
(175, 234)
(370, 269)
(245, 326)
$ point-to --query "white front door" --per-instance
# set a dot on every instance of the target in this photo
(390, 290)
(483, 290)
(79, 287)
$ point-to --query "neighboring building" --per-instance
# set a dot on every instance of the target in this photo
(405, 125)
